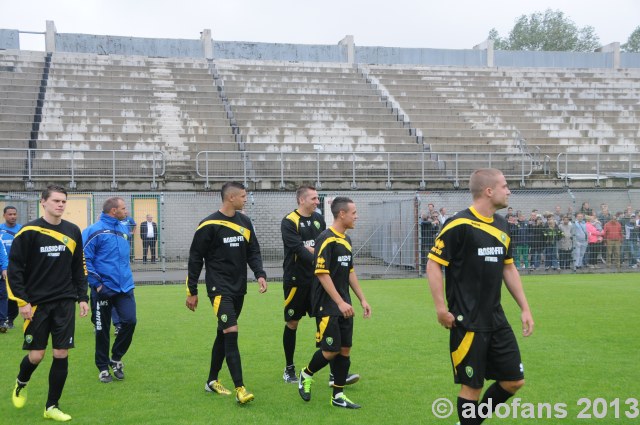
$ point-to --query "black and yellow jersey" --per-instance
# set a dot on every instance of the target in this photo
(225, 245)
(333, 256)
(46, 263)
(474, 250)
(298, 233)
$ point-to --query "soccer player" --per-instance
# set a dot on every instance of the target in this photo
(225, 242)
(8, 230)
(106, 249)
(332, 303)
(47, 276)
(299, 229)
(474, 248)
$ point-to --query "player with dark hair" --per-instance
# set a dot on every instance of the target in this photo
(332, 303)
(8, 231)
(106, 249)
(46, 277)
(474, 247)
(299, 229)
(225, 242)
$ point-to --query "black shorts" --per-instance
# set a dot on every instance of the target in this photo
(334, 332)
(57, 319)
(476, 356)
(227, 309)
(297, 302)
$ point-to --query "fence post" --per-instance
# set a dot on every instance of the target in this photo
(522, 170)
(72, 183)
(154, 185)
(353, 162)
(388, 170)
(423, 184)
(598, 169)
(629, 178)
(456, 181)
(281, 170)
(318, 183)
(244, 160)
(114, 185)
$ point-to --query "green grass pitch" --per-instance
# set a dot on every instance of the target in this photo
(586, 345)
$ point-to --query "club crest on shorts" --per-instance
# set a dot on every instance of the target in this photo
(224, 318)
(329, 340)
(28, 339)
(469, 371)
(290, 312)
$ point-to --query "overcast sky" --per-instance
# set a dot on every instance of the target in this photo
(453, 24)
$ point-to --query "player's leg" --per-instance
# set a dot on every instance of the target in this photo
(125, 306)
(297, 303)
(35, 340)
(62, 340)
(340, 365)
(505, 366)
(328, 343)
(468, 354)
(103, 309)
(213, 384)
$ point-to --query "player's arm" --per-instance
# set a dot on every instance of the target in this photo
(357, 289)
(4, 261)
(91, 248)
(327, 284)
(514, 285)
(79, 272)
(16, 271)
(254, 259)
(435, 278)
(292, 240)
(202, 239)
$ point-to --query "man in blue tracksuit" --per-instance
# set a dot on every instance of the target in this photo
(106, 249)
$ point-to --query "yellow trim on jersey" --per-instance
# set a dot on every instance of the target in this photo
(21, 302)
(322, 326)
(485, 227)
(508, 261)
(186, 283)
(438, 260)
(216, 304)
(246, 233)
(60, 237)
(295, 217)
(291, 294)
(463, 349)
(340, 240)
(26, 322)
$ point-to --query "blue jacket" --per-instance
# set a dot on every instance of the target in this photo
(4, 259)
(106, 250)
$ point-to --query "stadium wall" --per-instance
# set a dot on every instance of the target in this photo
(9, 39)
(344, 51)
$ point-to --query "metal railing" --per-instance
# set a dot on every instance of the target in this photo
(356, 167)
(34, 164)
(598, 166)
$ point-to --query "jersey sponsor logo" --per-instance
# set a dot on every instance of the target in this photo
(344, 260)
(53, 250)
(310, 243)
(233, 241)
(492, 250)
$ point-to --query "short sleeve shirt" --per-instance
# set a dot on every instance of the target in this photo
(474, 249)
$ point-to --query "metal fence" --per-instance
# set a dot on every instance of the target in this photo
(389, 240)
(74, 165)
(344, 170)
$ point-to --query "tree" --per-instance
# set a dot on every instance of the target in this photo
(548, 31)
(633, 43)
